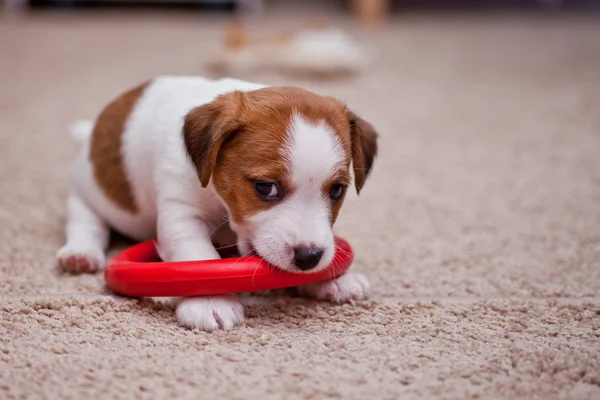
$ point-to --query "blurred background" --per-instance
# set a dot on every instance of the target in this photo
(310, 42)
(364, 9)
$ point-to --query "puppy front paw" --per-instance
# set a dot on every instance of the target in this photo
(80, 259)
(346, 288)
(209, 313)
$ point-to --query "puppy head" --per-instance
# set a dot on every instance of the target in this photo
(280, 158)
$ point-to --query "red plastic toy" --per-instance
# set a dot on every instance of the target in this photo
(138, 272)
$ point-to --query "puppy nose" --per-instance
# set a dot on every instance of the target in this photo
(307, 258)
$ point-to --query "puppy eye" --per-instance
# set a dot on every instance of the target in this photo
(336, 191)
(267, 190)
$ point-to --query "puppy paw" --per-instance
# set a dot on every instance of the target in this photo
(346, 288)
(210, 313)
(78, 259)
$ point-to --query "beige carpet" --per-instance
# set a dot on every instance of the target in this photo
(480, 227)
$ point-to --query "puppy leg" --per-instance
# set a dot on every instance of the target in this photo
(348, 287)
(87, 238)
(210, 313)
(183, 236)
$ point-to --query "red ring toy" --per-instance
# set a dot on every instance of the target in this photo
(138, 272)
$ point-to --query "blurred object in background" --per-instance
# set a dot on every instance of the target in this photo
(241, 5)
(320, 50)
(370, 11)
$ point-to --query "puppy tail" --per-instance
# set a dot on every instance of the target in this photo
(81, 130)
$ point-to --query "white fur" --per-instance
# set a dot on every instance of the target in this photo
(81, 130)
(348, 287)
(87, 237)
(210, 313)
(175, 208)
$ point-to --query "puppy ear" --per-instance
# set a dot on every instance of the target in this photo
(364, 149)
(208, 127)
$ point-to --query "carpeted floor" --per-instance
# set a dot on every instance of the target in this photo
(479, 229)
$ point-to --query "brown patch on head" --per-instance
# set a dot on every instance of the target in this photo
(239, 138)
(106, 153)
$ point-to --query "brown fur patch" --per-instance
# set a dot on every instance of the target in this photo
(364, 149)
(238, 139)
(238, 168)
(105, 149)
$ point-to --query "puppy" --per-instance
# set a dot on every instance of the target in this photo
(202, 164)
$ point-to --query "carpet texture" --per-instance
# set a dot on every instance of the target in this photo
(479, 228)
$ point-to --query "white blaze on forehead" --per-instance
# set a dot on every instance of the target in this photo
(313, 151)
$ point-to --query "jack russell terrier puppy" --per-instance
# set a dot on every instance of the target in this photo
(200, 164)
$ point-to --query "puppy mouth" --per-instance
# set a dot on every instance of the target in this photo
(267, 258)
